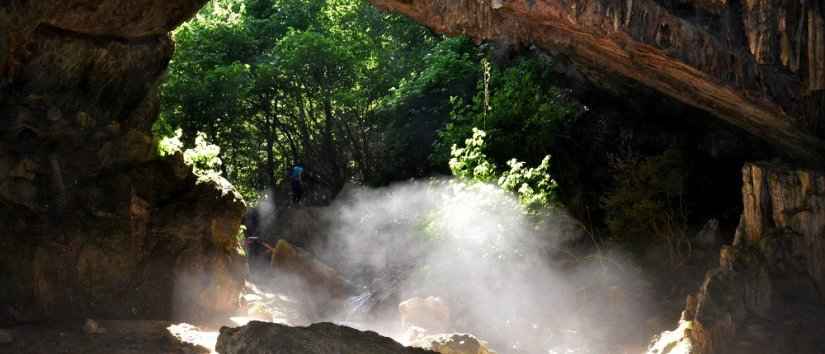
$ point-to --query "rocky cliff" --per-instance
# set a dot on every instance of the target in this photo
(758, 64)
(91, 222)
(767, 293)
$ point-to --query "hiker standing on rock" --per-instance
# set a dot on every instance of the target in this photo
(295, 178)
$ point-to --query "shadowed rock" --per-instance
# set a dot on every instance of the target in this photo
(764, 296)
(453, 344)
(320, 338)
(93, 223)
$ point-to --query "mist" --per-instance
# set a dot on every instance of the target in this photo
(513, 279)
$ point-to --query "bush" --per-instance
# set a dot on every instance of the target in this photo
(203, 158)
(533, 186)
(470, 162)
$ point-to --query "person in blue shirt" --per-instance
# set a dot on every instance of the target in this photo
(295, 179)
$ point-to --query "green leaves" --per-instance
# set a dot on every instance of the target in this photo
(526, 113)
(470, 162)
(315, 61)
(533, 186)
(276, 81)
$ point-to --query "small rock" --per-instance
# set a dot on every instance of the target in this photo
(5, 337)
(92, 327)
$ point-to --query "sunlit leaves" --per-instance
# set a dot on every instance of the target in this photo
(533, 186)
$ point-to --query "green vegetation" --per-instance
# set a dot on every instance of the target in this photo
(521, 109)
(533, 186)
(361, 96)
(277, 82)
(202, 158)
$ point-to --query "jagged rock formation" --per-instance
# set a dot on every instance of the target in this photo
(319, 338)
(91, 223)
(757, 64)
(766, 296)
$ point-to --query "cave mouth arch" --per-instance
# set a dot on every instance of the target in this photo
(98, 68)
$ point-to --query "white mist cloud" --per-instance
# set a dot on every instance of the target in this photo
(507, 277)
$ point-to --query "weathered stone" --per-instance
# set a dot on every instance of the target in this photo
(749, 63)
(453, 344)
(430, 314)
(5, 337)
(767, 275)
(319, 338)
(777, 200)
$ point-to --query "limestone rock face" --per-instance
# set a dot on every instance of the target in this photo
(766, 294)
(92, 224)
(320, 338)
(758, 64)
(784, 216)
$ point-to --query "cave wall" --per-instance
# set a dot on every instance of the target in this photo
(767, 293)
(92, 223)
(757, 64)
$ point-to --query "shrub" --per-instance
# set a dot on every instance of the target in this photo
(533, 186)
(203, 158)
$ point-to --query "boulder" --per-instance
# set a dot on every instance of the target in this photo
(320, 338)
(453, 344)
(431, 314)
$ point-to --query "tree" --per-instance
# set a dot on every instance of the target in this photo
(273, 82)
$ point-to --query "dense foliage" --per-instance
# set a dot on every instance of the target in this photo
(274, 83)
(353, 93)
(362, 96)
